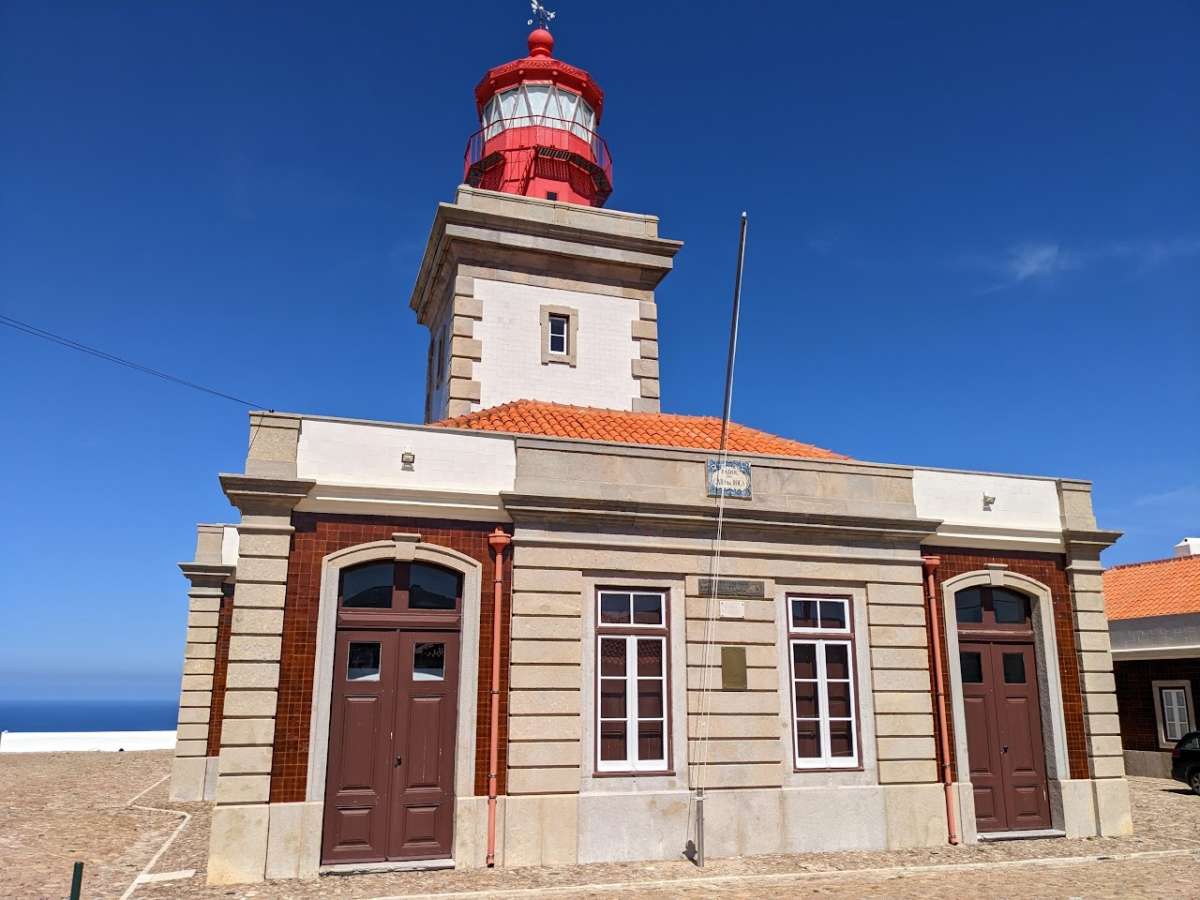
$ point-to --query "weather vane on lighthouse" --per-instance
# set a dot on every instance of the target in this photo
(541, 15)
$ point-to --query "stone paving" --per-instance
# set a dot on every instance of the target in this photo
(55, 808)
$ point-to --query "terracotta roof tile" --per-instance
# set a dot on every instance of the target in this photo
(623, 427)
(1163, 587)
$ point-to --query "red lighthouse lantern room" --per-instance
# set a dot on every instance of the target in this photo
(538, 118)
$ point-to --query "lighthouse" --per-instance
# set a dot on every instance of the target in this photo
(538, 130)
(530, 288)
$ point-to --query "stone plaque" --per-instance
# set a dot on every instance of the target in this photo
(733, 668)
(730, 478)
(733, 609)
(737, 588)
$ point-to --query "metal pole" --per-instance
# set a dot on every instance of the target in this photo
(77, 881)
(733, 332)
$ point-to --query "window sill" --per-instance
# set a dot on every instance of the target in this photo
(664, 773)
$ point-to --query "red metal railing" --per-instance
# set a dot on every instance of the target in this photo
(526, 132)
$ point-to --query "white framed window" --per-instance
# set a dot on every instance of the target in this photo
(558, 334)
(824, 701)
(631, 681)
(1173, 711)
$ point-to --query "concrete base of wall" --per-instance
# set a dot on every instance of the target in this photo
(1113, 815)
(1148, 763)
(187, 778)
(294, 840)
(609, 827)
(237, 844)
(211, 770)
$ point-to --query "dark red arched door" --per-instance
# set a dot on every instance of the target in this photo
(389, 787)
(1003, 716)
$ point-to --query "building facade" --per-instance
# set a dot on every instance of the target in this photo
(509, 637)
(1154, 614)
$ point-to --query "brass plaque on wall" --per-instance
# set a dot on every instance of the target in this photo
(740, 588)
(733, 668)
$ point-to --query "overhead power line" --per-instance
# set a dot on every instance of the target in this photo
(34, 331)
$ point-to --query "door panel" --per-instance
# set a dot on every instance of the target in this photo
(1004, 735)
(1015, 680)
(359, 773)
(423, 780)
(983, 746)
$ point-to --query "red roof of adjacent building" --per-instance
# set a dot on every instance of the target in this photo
(1162, 587)
(623, 427)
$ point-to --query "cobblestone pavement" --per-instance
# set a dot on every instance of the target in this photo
(58, 807)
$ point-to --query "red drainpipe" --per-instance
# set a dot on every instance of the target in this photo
(930, 564)
(498, 541)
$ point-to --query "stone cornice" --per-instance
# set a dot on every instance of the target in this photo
(526, 508)
(206, 574)
(541, 229)
(1092, 537)
(264, 495)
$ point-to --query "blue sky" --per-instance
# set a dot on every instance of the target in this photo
(975, 243)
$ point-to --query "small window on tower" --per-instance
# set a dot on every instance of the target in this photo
(560, 335)
(559, 329)
(551, 195)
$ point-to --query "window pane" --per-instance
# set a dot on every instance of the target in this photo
(430, 587)
(648, 609)
(1009, 607)
(649, 657)
(806, 700)
(808, 739)
(804, 613)
(612, 656)
(614, 609)
(612, 741)
(837, 661)
(368, 587)
(968, 605)
(650, 698)
(841, 739)
(839, 699)
(1014, 668)
(804, 660)
(650, 741)
(362, 662)
(833, 614)
(429, 662)
(612, 698)
(971, 665)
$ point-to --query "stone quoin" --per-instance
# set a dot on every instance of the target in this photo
(496, 637)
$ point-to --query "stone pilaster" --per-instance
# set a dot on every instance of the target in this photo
(645, 366)
(1106, 765)
(238, 843)
(207, 575)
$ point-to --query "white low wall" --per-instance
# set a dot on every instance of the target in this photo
(59, 741)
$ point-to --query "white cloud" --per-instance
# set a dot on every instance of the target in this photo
(1042, 260)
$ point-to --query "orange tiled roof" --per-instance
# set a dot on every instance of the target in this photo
(1163, 587)
(623, 427)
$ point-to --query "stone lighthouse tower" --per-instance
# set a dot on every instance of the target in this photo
(529, 289)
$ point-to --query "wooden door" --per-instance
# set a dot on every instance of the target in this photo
(422, 790)
(361, 725)
(1004, 735)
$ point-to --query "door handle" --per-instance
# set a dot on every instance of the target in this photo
(399, 761)
(1003, 749)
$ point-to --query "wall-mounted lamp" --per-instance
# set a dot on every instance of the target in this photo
(407, 458)
(988, 500)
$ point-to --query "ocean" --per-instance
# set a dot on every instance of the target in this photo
(88, 715)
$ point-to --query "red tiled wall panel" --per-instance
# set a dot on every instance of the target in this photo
(1050, 570)
(317, 536)
(220, 667)
(1136, 700)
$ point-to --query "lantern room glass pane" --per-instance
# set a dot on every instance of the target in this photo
(368, 587)
(537, 94)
